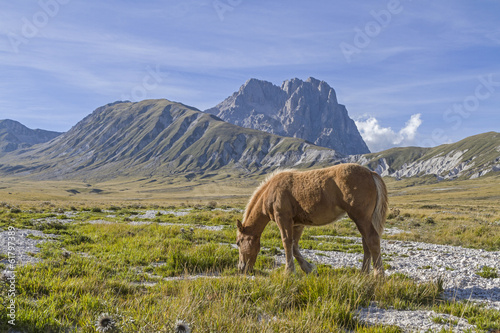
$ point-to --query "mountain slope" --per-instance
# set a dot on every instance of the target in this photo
(472, 157)
(158, 137)
(14, 135)
(302, 109)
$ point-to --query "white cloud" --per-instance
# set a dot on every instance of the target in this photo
(380, 138)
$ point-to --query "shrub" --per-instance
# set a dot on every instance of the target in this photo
(212, 204)
(393, 214)
(430, 220)
(77, 239)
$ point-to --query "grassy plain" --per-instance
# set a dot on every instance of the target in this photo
(128, 267)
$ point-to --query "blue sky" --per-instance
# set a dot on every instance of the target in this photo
(409, 72)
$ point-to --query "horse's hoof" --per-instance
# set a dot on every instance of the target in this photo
(313, 270)
(379, 275)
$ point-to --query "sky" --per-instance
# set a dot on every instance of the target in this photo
(409, 72)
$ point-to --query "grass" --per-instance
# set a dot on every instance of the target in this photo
(126, 270)
(70, 295)
(460, 213)
(484, 319)
(488, 272)
(123, 270)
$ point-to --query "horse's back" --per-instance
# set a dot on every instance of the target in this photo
(321, 196)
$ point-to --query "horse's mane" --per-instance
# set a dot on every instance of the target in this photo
(257, 193)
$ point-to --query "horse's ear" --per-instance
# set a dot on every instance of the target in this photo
(240, 226)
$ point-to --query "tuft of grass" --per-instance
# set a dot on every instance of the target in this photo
(200, 259)
(485, 319)
(488, 272)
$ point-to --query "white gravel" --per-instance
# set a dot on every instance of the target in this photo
(457, 266)
(16, 245)
(151, 214)
(415, 321)
(167, 224)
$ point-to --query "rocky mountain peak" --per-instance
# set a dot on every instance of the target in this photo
(297, 86)
(258, 93)
(304, 109)
(14, 135)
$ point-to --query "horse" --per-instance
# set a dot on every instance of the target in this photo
(295, 199)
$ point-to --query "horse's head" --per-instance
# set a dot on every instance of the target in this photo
(249, 249)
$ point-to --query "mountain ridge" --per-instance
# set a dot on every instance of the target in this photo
(158, 137)
(304, 109)
(472, 157)
(163, 138)
(14, 135)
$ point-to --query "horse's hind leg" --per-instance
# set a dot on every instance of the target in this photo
(367, 257)
(306, 266)
(373, 243)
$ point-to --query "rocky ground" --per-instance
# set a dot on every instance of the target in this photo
(458, 268)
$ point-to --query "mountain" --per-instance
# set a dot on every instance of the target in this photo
(14, 135)
(158, 137)
(471, 157)
(301, 109)
(162, 138)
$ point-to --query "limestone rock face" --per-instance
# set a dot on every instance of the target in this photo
(303, 109)
(470, 158)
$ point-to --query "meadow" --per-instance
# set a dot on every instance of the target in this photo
(120, 265)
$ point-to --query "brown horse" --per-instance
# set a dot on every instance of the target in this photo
(296, 199)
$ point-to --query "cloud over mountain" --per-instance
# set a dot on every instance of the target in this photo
(379, 138)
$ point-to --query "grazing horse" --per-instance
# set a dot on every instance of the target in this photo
(295, 199)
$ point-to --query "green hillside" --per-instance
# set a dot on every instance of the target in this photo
(471, 157)
(158, 137)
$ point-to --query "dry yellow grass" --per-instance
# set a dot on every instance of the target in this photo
(482, 192)
(146, 192)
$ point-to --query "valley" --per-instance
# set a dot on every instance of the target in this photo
(144, 253)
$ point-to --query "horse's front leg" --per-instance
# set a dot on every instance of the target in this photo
(286, 229)
(306, 266)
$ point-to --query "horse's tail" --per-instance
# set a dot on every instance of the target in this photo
(379, 214)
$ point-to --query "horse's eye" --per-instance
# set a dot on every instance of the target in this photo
(238, 243)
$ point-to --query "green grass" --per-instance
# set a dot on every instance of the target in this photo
(488, 272)
(56, 296)
(430, 213)
(124, 270)
(485, 319)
